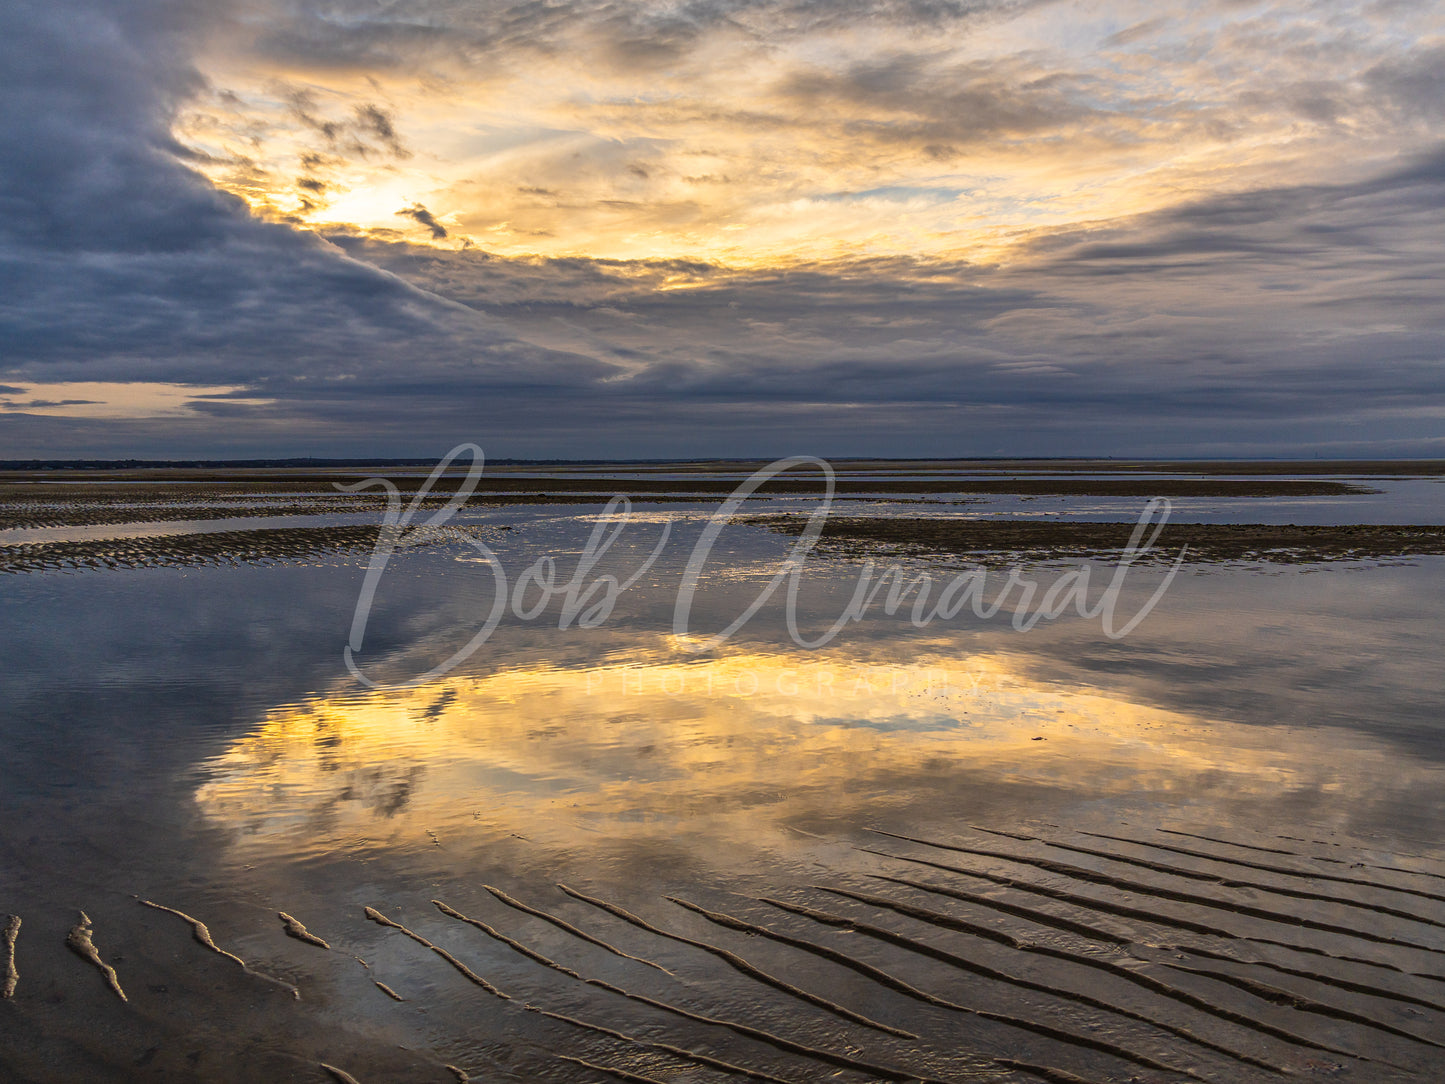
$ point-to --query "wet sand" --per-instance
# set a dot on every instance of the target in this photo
(29, 500)
(356, 926)
(262, 545)
(35, 499)
(1004, 954)
(993, 541)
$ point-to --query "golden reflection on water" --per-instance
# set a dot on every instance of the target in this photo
(728, 747)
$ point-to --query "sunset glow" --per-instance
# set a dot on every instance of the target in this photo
(755, 140)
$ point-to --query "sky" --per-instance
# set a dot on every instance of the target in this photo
(596, 228)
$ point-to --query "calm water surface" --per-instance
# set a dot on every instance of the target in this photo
(192, 737)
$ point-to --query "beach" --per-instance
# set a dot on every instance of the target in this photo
(252, 835)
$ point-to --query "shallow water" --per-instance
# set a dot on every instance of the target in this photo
(191, 736)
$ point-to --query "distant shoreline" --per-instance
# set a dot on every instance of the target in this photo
(213, 469)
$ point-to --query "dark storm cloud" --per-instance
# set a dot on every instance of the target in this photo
(83, 111)
(118, 263)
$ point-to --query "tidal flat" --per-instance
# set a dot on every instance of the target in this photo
(601, 849)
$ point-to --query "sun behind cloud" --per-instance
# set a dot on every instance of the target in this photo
(780, 133)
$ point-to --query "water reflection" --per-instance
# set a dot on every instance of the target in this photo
(187, 735)
(733, 747)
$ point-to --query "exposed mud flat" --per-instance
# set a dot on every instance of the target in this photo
(1364, 468)
(214, 548)
(993, 541)
(1146, 961)
(26, 501)
(99, 498)
(39, 499)
(985, 954)
(88, 510)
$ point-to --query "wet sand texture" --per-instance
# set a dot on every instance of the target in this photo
(215, 548)
(739, 964)
(387, 990)
(536, 957)
(12, 976)
(198, 930)
(563, 925)
(47, 504)
(1074, 956)
(991, 542)
(665, 1048)
(465, 971)
(34, 499)
(784, 1044)
(615, 1074)
(799, 481)
(81, 944)
(299, 931)
(994, 541)
(203, 936)
(1206, 951)
(89, 510)
(883, 978)
(1357, 927)
(738, 1028)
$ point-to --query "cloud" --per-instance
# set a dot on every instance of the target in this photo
(36, 404)
(420, 214)
(925, 98)
(118, 262)
(367, 130)
(842, 243)
(585, 128)
(647, 36)
(1413, 84)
